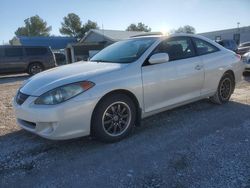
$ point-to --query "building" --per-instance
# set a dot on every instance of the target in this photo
(94, 41)
(56, 43)
(240, 35)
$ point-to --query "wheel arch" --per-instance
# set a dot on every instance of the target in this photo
(229, 71)
(121, 91)
(216, 98)
(34, 62)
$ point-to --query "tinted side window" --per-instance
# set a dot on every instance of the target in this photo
(35, 51)
(177, 48)
(204, 47)
(13, 52)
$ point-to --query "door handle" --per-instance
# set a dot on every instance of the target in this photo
(198, 67)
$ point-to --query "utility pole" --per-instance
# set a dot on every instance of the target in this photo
(102, 33)
(237, 35)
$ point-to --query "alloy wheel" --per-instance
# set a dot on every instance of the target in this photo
(36, 69)
(116, 118)
(225, 89)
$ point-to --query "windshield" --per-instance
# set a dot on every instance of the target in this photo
(125, 51)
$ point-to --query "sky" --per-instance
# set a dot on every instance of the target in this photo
(160, 15)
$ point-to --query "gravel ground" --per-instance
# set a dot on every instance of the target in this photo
(197, 145)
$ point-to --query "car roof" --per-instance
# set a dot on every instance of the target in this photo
(169, 36)
(163, 37)
(21, 46)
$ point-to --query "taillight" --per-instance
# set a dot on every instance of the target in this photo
(238, 55)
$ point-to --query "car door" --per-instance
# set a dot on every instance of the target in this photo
(178, 80)
(211, 59)
(14, 59)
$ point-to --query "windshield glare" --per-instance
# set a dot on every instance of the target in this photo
(125, 51)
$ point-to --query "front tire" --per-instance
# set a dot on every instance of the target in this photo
(35, 68)
(225, 89)
(114, 118)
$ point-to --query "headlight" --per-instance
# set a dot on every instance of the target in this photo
(63, 93)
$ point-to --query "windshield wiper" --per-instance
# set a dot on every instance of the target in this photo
(102, 61)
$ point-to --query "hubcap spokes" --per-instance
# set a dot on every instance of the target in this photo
(116, 118)
(225, 89)
(36, 69)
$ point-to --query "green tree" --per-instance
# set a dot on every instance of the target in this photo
(71, 25)
(139, 27)
(186, 29)
(87, 26)
(34, 26)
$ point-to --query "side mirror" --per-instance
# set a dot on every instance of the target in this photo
(159, 58)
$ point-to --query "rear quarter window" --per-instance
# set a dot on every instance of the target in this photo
(36, 51)
(203, 47)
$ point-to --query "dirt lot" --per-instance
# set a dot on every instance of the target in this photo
(198, 145)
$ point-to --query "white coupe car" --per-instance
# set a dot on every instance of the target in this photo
(125, 82)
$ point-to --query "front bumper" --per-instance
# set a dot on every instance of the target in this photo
(67, 120)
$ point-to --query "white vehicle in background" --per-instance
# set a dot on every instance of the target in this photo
(246, 60)
(125, 82)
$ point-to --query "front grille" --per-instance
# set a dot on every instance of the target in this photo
(20, 98)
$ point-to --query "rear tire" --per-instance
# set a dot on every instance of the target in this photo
(113, 118)
(224, 90)
(35, 68)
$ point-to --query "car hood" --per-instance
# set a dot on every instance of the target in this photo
(50, 79)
